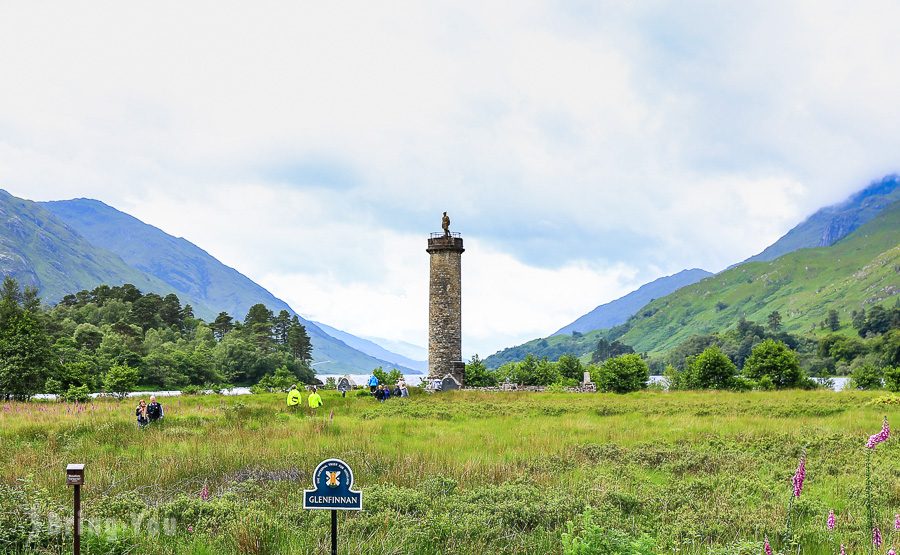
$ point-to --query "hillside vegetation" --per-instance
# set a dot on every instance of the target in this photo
(859, 272)
(856, 273)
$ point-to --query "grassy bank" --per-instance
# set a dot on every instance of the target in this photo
(463, 472)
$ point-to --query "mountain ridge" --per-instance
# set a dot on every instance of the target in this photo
(619, 310)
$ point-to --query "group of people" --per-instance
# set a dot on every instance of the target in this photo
(384, 392)
(295, 399)
(148, 413)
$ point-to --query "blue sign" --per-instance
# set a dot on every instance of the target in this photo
(332, 481)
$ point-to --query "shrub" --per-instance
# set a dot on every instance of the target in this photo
(866, 376)
(387, 378)
(477, 374)
(585, 537)
(777, 361)
(192, 390)
(892, 379)
(120, 380)
(53, 387)
(282, 381)
(711, 369)
(622, 374)
(79, 394)
(570, 367)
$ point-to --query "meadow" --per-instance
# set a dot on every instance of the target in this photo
(461, 473)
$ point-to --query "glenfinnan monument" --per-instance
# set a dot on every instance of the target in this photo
(445, 307)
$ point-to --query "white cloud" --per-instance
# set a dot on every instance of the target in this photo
(584, 147)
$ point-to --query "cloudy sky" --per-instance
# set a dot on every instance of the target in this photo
(581, 148)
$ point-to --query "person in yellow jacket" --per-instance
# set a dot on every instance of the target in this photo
(293, 398)
(315, 401)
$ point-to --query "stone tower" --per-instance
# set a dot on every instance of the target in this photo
(445, 305)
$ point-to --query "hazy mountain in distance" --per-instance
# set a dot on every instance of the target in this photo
(194, 275)
(373, 349)
(618, 311)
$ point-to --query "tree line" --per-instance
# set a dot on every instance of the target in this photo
(116, 338)
(748, 356)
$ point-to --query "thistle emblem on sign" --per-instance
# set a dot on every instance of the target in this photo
(332, 479)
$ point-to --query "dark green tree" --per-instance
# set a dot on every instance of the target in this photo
(298, 341)
(222, 325)
(774, 321)
(570, 367)
(711, 369)
(832, 321)
(280, 327)
(622, 374)
(477, 374)
(777, 361)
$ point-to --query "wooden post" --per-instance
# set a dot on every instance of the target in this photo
(333, 532)
(77, 540)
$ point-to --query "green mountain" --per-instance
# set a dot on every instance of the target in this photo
(39, 250)
(197, 277)
(65, 247)
(856, 272)
(832, 223)
(618, 311)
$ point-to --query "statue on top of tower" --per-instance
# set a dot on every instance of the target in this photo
(445, 225)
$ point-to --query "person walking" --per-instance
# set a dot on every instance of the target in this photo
(404, 392)
(379, 392)
(154, 410)
(373, 383)
(141, 413)
(293, 397)
(315, 400)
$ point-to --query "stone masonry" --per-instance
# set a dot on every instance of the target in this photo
(445, 307)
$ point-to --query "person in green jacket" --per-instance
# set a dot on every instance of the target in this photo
(293, 398)
(315, 401)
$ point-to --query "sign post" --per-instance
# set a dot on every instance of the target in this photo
(75, 478)
(332, 490)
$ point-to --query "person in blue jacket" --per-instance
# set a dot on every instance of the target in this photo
(373, 383)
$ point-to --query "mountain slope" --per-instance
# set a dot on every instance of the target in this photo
(831, 224)
(39, 250)
(373, 349)
(861, 270)
(618, 311)
(196, 276)
(856, 272)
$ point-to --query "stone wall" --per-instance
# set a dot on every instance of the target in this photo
(445, 307)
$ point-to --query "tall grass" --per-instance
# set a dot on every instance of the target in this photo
(465, 472)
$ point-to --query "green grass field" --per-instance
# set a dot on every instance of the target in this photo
(462, 472)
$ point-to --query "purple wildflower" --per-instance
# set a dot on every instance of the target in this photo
(799, 476)
(876, 537)
(830, 522)
(897, 522)
(880, 436)
(891, 551)
(843, 551)
(204, 493)
(190, 528)
(767, 547)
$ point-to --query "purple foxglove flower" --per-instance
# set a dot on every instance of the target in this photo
(876, 537)
(843, 551)
(830, 522)
(799, 476)
(767, 547)
(204, 493)
(891, 551)
(897, 522)
(881, 436)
